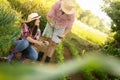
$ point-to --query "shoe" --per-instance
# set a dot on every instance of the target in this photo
(3, 58)
(12, 54)
(47, 60)
(40, 56)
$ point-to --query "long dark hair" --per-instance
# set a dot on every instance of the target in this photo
(33, 28)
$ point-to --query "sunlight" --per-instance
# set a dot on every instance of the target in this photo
(89, 33)
(95, 7)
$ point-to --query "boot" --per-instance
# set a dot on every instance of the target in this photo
(22, 58)
(47, 60)
(12, 54)
(40, 56)
(9, 57)
(3, 59)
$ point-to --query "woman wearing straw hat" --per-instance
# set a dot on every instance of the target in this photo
(30, 34)
(60, 20)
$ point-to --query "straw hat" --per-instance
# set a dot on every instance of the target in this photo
(67, 6)
(33, 16)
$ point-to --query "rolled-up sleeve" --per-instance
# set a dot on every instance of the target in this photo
(51, 13)
(70, 21)
(37, 36)
(24, 30)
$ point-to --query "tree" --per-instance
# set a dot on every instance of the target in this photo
(78, 9)
(112, 8)
(88, 18)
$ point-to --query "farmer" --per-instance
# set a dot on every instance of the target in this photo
(60, 20)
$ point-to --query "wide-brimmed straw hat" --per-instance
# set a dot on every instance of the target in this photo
(33, 16)
(67, 6)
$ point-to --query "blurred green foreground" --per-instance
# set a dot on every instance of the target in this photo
(35, 71)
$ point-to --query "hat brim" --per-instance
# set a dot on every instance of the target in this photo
(38, 17)
(67, 9)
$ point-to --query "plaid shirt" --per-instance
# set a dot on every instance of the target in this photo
(25, 32)
(62, 20)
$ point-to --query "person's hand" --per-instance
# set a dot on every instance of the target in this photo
(45, 43)
(51, 24)
(42, 43)
(39, 43)
(61, 36)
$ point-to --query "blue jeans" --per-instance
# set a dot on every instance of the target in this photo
(25, 48)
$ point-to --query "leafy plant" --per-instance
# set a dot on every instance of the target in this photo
(59, 56)
(59, 53)
(112, 8)
(9, 20)
(71, 48)
(45, 72)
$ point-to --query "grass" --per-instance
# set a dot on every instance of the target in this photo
(80, 44)
(88, 33)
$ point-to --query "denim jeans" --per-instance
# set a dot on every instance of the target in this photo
(26, 49)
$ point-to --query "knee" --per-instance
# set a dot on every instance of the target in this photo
(34, 57)
(21, 45)
(25, 44)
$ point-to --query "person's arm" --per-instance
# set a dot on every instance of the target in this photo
(69, 26)
(34, 41)
(51, 14)
(65, 33)
(51, 22)
(25, 33)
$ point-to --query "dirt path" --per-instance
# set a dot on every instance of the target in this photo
(68, 56)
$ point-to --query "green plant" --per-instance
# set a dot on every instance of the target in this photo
(59, 56)
(87, 75)
(112, 9)
(100, 74)
(71, 48)
(9, 20)
(59, 53)
(110, 50)
(45, 72)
